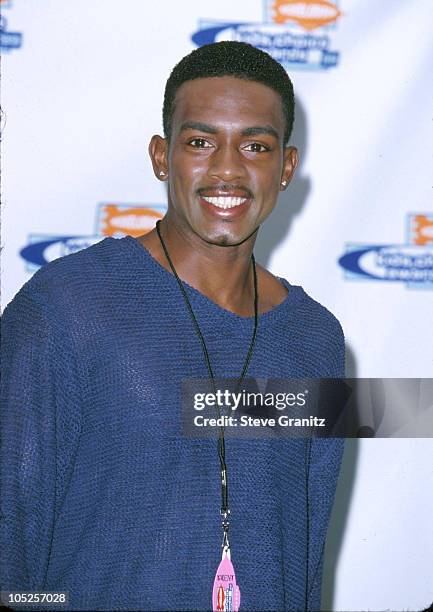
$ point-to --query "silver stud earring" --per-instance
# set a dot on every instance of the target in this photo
(284, 183)
(162, 173)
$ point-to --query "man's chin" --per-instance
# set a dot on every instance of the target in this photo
(226, 239)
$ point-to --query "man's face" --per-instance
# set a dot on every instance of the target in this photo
(226, 160)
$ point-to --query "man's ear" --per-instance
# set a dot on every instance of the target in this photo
(158, 149)
(289, 166)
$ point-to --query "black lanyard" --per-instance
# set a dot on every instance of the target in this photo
(225, 509)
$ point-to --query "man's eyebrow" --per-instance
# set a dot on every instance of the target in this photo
(198, 125)
(211, 129)
(260, 129)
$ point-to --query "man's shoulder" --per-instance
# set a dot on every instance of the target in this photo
(318, 315)
(310, 313)
(67, 278)
(320, 335)
(312, 323)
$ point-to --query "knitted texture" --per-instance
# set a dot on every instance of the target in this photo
(102, 495)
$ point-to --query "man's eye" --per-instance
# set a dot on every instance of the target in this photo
(199, 143)
(256, 147)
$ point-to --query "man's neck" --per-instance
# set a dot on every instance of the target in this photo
(222, 273)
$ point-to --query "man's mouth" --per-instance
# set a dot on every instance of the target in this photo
(225, 201)
(226, 197)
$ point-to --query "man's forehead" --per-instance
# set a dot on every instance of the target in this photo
(217, 97)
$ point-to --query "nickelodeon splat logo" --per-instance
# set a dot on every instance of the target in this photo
(118, 220)
(411, 262)
(297, 33)
(310, 14)
(421, 229)
(115, 220)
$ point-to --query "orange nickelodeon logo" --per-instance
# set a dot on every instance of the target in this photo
(309, 14)
(422, 230)
(127, 220)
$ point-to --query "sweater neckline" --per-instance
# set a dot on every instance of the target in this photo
(136, 250)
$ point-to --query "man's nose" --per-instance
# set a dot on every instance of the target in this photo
(227, 163)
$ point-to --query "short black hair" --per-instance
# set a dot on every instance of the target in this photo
(230, 58)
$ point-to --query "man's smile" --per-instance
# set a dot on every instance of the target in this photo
(225, 201)
(225, 207)
(225, 198)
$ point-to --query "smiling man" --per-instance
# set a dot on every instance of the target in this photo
(103, 496)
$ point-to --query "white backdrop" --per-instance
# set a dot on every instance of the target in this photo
(82, 96)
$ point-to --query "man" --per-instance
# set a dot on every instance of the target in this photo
(103, 496)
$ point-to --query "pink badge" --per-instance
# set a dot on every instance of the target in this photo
(226, 596)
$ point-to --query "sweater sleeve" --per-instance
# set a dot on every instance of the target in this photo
(325, 455)
(40, 427)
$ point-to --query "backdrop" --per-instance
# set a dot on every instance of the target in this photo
(82, 94)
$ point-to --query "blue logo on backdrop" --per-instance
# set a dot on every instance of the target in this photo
(115, 220)
(297, 33)
(411, 262)
(8, 40)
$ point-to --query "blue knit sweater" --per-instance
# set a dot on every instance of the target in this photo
(102, 495)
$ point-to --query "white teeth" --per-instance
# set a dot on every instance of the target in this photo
(225, 201)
